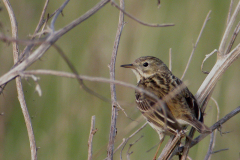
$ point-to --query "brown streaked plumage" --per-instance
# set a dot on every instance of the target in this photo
(181, 106)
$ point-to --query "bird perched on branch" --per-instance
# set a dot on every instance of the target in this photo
(165, 101)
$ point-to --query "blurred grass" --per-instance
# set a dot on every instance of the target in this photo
(61, 117)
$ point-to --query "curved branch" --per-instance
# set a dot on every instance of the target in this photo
(137, 20)
(20, 92)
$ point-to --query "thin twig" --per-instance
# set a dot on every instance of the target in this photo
(137, 20)
(213, 135)
(21, 97)
(206, 57)
(57, 13)
(112, 133)
(234, 36)
(230, 11)
(225, 149)
(80, 81)
(153, 147)
(195, 46)
(40, 23)
(89, 78)
(126, 140)
(130, 146)
(210, 148)
(22, 41)
(90, 139)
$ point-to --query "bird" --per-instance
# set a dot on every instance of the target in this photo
(178, 106)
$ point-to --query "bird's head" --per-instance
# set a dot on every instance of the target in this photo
(147, 66)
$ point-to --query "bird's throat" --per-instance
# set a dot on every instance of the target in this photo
(137, 75)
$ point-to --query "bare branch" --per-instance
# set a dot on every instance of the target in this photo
(95, 79)
(40, 23)
(57, 13)
(195, 46)
(80, 81)
(19, 83)
(213, 135)
(225, 149)
(234, 36)
(206, 57)
(210, 148)
(216, 125)
(137, 20)
(112, 133)
(130, 146)
(230, 11)
(90, 139)
(126, 140)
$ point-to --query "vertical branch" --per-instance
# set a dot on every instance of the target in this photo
(40, 23)
(90, 139)
(112, 133)
(19, 83)
(213, 135)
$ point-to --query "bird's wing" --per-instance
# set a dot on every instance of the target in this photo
(189, 99)
(197, 120)
(153, 112)
(193, 105)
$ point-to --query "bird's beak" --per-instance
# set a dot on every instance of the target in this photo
(127, 66)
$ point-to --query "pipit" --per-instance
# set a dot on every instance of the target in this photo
(178, 107)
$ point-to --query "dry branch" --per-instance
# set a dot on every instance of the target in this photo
(90, 139)
(126, 140)
(137, 20)
(213, 135)
(216, 125)
(20, 92)
(112, 133)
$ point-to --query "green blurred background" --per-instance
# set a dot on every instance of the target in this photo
(61, 117)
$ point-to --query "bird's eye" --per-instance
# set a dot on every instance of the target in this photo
(145, 64)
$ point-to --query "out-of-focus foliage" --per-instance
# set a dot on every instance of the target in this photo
(61, 117)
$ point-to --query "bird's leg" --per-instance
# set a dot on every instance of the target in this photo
(161, 140)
